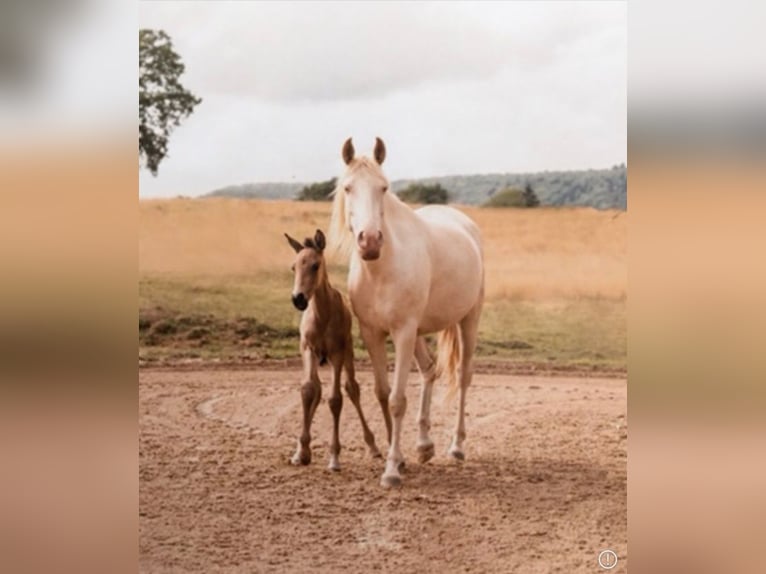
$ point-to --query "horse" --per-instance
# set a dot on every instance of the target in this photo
(411, 272)
(325, 334)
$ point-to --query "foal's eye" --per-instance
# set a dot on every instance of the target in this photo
(385, 188)
(292, 267)
(315, 267)
(347, 188)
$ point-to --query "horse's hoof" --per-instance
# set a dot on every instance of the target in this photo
(426, 452)
(334, 467)
(375, 453)
(457, 454)
(391, 481)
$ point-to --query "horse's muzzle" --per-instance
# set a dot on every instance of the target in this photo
(370, 255)
(300, 302)
(369, 245)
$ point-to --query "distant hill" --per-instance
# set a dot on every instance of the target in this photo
(600, 188)
(259, 191)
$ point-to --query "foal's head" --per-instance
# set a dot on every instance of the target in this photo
(359, 199)
(309, 268)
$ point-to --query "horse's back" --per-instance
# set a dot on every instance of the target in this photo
(449, 220)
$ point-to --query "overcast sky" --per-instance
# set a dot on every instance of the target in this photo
(451, 88)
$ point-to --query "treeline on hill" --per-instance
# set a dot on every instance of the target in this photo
(600, 188)
(414, 193)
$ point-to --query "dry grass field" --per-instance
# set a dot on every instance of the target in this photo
(215, 281)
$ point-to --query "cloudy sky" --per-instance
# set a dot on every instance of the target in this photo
(451, 88)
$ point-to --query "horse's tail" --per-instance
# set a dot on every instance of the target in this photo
(448, 356)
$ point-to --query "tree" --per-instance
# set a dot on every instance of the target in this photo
(162, 100)
(424, 193)
(321, 191)
(530, 197)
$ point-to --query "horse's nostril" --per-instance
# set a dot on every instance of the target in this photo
(380, 236)
(360, 237)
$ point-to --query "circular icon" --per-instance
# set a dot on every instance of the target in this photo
(607, 559)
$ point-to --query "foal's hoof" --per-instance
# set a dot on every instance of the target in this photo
(301, 458)
(375, 453)
(391, 481)
(425, 453)
(457, 454)
(334, 465)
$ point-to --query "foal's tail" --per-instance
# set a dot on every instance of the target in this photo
(448, 356)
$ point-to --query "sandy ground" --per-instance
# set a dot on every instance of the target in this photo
(543, 488)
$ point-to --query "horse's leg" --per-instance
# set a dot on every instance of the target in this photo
(352, 389)
(336, 405)
(469, 327)
(311, 393)
(427, 368)
(404, 342)
(375, 341)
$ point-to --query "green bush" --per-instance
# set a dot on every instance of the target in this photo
(423, 193)
(321, 191)
(508, 197)
(513, 197)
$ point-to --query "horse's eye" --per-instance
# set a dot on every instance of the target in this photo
(292, 267)
(385, 188)
(347, 188)
(315, 267)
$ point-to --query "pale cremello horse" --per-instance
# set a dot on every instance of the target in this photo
(325, 335)
(412, 272)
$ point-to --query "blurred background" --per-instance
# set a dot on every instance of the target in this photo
(68, 184)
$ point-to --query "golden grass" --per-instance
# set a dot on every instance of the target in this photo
(531, 254)
(556, 278)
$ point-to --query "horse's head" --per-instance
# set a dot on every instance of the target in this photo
(363, 187)
(309, 268)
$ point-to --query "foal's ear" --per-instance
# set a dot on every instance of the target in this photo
(380, 151)
(293, 243)
(348, 151)
(319, 240)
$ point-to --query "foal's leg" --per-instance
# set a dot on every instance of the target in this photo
(336, 405)
(404, 341)
(375, 341)
(469, 327)
(427, 368)
(311, 393)
(352, 389)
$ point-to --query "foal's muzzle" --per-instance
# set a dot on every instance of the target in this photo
(300, 302)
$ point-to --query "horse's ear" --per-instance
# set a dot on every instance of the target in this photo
(294, 244)
(319, 240)
(348, 151)
(380, 151)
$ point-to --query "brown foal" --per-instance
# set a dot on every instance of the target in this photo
(325, 336)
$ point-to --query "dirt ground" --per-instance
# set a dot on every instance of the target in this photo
(543, 488)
